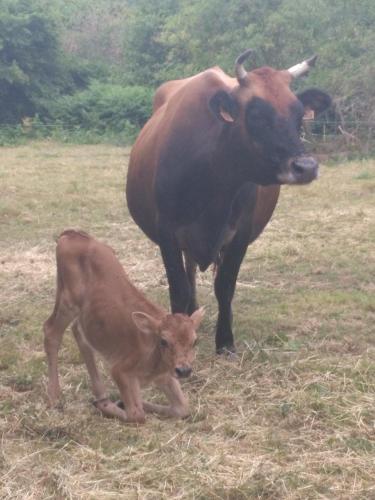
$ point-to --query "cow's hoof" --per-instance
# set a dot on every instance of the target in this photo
(227, 352)
(120, 404)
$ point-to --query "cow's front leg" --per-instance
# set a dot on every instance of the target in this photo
(225, 284)
(179, 288)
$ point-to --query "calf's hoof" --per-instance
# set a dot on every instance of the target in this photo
(117, 410)
(136, 419)
(55, 405)
(53, 395)
(55, 402)
(110, 409)
(179, 411)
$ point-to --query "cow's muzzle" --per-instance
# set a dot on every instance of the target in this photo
(183, 371)
(299, 170)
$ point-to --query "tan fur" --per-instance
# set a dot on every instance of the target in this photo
(110, 316)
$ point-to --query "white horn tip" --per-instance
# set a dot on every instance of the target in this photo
(303, 67)
(312, 60)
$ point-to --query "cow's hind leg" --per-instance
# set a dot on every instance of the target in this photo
(225, 284)
(54, 329)
(179, 287)
(102, 402)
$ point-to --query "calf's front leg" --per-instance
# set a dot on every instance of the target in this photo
(178, 407)
(130, 392)
(102, 402)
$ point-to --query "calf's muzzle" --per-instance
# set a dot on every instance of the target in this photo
(183, 371)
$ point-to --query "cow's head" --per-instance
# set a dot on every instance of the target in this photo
(175, 336)
(265, 118)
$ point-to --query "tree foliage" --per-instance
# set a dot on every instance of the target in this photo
(145, 53)
(33, 67)
(50, 48)
(196, 34)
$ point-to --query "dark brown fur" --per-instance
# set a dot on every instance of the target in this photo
(205, 173)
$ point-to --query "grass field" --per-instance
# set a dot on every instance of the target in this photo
(292, 418)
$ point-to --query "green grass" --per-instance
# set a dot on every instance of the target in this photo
(292, 418)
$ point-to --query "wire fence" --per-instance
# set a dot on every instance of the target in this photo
(340, 139)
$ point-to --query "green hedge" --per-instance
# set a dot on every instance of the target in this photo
(103, 108)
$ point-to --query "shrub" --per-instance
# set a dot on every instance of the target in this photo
(104, 109)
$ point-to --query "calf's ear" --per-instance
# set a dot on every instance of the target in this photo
(224, 106)
(197, 317)
(145, 323)
(314, 101)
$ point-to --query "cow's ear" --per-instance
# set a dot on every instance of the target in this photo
(145, 323)
(314, 101)
(224, 106)
(197, 317)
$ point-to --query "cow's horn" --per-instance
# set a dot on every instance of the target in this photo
(240, 71)
(303, 67)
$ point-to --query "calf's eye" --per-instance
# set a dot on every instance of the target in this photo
(163, 343)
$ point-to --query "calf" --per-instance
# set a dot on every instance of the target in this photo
(141, 343)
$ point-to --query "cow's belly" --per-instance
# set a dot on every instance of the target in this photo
(250, 212)
(195, 241)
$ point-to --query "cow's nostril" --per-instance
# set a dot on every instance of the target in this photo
(297, 168)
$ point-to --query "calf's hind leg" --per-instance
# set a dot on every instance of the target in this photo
(54, 329)
(102, 402)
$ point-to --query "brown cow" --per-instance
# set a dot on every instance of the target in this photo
(140, 341)
(205, 172)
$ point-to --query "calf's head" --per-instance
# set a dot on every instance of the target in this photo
(264, 119)
(175, 338)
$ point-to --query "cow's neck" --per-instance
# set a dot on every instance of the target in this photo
(232, 171)
(234, 164)
(217, 223)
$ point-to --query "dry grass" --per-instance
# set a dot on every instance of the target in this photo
(292, 418)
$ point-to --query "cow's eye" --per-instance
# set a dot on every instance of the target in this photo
(163, 343)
